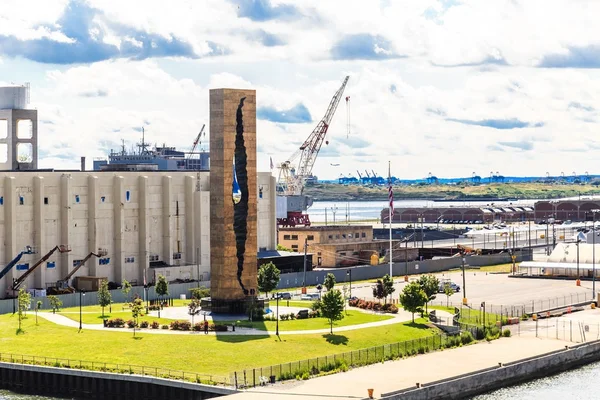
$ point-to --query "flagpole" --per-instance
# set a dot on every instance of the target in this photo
(390, 215)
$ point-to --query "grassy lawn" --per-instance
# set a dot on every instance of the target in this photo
(217, 355)
(352, 317)
(469, 316)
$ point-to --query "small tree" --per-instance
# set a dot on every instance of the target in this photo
(104, 296)
(38, 305)
(194, 308)
(24, 301)
(388, 286)
(332, 307)
(413, 298)
(126, 288)
(378, 290)
(329, 281)
(268, 278)
(162, 286)
(137, 309)
(430, 285)
(200, 292)
(448, 291)
(55, 303)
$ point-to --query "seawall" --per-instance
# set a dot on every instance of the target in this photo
(72, 383)
(468, 385)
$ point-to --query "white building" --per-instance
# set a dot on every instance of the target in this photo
(146, 222)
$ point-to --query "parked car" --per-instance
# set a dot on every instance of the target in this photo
(453, 285)
(310, 296)
(284, 295)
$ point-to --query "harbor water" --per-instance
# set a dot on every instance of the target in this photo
(581, 383)
(354, 211)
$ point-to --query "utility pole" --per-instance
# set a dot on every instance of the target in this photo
(305, 257)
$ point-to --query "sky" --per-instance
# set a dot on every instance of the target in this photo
(445, 87)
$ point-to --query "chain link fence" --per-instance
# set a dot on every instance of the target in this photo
(158, 372)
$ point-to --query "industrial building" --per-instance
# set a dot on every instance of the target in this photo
(342, 245)
(139, 223)
(488, 214)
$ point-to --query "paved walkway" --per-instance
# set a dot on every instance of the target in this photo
(402, 316)
(401, 374)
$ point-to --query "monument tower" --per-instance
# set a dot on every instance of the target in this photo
(233, 213)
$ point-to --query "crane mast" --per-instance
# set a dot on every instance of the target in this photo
(291, 180)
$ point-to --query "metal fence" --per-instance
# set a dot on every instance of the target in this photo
(158, 372)
(270, 374)
(566, 329)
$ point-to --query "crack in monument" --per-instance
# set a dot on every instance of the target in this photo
(240, 209)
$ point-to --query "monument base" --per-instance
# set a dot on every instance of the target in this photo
(232, 306)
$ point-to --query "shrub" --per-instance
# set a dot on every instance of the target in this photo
(154, 308)
(155, 325)
(353, 302)
(466, 337)
(165, 326)
(217, 328)
(115, 323)
(377, 307)
(393, 309)
(524, 317)
(198, 326)
(292, 316)
(144, 324)
(313, 314)
(131, 324)
(506, 333)
(284, 317)
(181, 325)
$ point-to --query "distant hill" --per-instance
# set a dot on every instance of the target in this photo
(337, 192)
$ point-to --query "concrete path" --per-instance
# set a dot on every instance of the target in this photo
(402, 316)
(401, 374)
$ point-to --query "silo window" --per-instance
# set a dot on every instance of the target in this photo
(1, 200)
(102, 199)
(21, 200)
(45, 200)
(76, 198)
(127, 195)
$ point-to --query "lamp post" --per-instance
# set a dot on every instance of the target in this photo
(464, 280)
(277, 320)
(334, 210)
(349, 275)
(81, 294)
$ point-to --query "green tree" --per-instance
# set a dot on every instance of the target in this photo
(378, 290)
(430, 285)
(200, 292)
(329, 281)
(388, 286)
(268, 278)
(38, 305)
(162, 286)
(194, 308)
(332, 307)
(104, 296)
(137, 309)
(448, 291)
(413, 298)
(126, 288)
(24, 301)
(283, 248)
(55, 303)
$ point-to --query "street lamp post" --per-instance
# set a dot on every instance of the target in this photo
(277, 320)
(464, 281)
(349, 274)
(81, 294)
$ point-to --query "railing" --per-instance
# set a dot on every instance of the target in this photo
(158, 372)
(279, 372)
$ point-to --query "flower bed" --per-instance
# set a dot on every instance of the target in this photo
(375, 306)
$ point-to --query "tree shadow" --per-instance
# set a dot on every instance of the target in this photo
(336, 339)
(137, 338)
(20, 331)
(417, 325)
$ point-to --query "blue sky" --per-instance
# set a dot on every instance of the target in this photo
(441, 86)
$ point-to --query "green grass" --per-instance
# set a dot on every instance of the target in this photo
(217, 355)
(469, 316)
(351, 317)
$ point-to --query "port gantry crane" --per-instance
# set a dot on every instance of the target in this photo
(292, 178)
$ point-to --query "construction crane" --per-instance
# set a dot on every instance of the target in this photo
(359, 175)
(13, 291)
(62, 286)
(196, 141)
(292, 178)
(14, 261)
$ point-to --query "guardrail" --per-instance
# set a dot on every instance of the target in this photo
(115, 368)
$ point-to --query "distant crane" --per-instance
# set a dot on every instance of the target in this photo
(197, 141)
(359, 175)
(292, 178)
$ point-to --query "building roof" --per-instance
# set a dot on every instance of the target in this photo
(278, 253)
(324, 228)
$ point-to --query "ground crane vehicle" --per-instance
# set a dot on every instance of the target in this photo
(14, 261)
(293, 177)
(62, 285)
